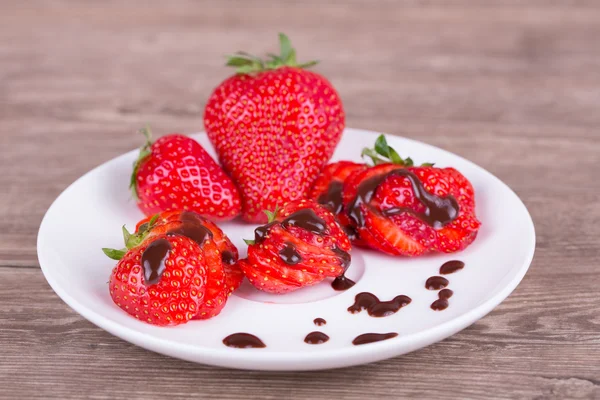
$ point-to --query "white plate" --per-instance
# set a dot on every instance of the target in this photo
(88, 215)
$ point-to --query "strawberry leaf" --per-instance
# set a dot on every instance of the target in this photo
(271, 214)
(383, 153)
(114, 253)
(249, 242)
(145, 151)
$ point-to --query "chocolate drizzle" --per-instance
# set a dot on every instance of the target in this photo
(332, 198)
(228, 257)
(306, 219)
(316, 338)
(261, 232)
(342, 283)
(153, 260)
(243, 341)
(377, 308)
(289, 254)
(319, 322)
(445, 294)
(442, 302)
(451, 267)
(192, 227)
(436, 283)
(439, 211)
(373, 337)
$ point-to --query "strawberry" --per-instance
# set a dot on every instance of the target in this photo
(401, 209)
(175, 255)
(301, 245)
(176, 173)
(274, 125)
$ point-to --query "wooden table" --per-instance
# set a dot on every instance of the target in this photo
(515, 88)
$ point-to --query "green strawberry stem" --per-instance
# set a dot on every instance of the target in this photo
(271, 215)
(245, 63)
(131, 239)
(144, 152)
(383, 153)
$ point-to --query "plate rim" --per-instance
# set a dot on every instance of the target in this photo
(347, 356)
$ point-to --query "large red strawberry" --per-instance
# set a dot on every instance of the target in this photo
(274, 125)
(176, 173)
(401, 209)
(301, 245)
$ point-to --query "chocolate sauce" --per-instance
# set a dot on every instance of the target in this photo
(243, 341)
(377, 308)
(316, 338)
(306, 219)
(343, 255)
(193, 229)
(372, 337)
(445, 294)
(153, 260)
(332, 198)
(342, 283)
(261, 232)
(228, 257)
(351, 232)
(439, 211)
(319, 321)
(289, 254)
(439, 305)
(451, 267)
(436, 283)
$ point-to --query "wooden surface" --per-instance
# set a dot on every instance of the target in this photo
(513, 86)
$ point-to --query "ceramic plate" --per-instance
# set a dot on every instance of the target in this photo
(88, 215)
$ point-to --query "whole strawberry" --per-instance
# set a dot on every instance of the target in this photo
(274, 125)
(301, 245)
(176, 173)
(401, 209)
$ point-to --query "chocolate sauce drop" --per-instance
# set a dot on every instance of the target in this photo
(193, 230)
(228, 257)
(445, 294)
(436, 283)
(316, 338)
(153, 260)
(261, 232)
(342, 283)
(332, 198)
(289, 254)
(343, 255)
(372, 337)
(439, 305)
(451, 267)
(319, 321)
(377, 308)
(439, 211)
(243, 341)
(306, 219)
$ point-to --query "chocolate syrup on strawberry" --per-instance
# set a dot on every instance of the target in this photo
(332, 198)
(342, 283)
(192, 228)
(261, 232)
(153, 260)
(373, 337)
(316, 338)
(451, 267)
(243, 341)
(377, 308)
(319, 321)
(228, 257)
(439, 211)
(289, 254)
(343, 255)
(436, 283)
(306, 219)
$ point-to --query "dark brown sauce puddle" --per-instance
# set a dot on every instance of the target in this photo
(373, 337)
(332, 198)
(289, 254)
(316, 338)
(153, 260)
(451, 267)
(342, 283)
(436, 283)
(319, 321)
(377, 308)
(243, 341)
(442, 302)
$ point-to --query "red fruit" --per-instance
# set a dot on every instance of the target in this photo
(300, 246)
(405, 210)
(274, 126)
(169, 297)
(176, 173)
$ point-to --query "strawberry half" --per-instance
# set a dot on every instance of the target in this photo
(401, 209)
(274, 125)
(301, 245)
(176, 173)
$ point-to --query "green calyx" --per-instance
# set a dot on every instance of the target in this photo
(271, 215)
(245, 63)
(131, 239)
(383, 153)
(144, 152)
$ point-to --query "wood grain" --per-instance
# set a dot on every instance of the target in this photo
(513, 86)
